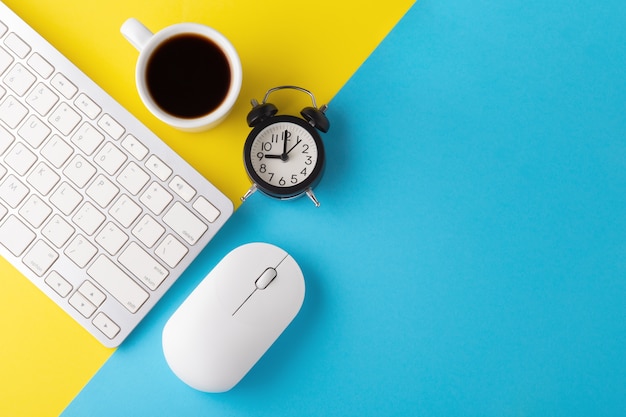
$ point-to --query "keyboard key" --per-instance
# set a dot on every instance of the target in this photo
(87, 106)
(158, 168)
(15, 235)
(102, 191)
(20, 158)
(19, 79)
(133, 178)
(79, 171)
(12, 112)
(80, 251)
(148, 231)
(65, 198)
(182, 188)
(136, 148)
(58, 231)
(40, 65)
(111, 238)
(63, 86)
(206, 209)
(56, 151)
(64, 118)
(87, 138)
(82, 304)
(12, 191)
(40, 258)
(111, 126)
(156, 198)
(34, 131)
(42, 99)
(17, 45)
(88, 218)
(110, 158)
(117, 283)
(125, 211)
(35, 210)
(106, 325)
(58, 284)
(43, 178)
(186, 224)
(143, 266)
(92, 293)
(171, 251)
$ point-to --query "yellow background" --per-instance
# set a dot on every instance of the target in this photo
(45, 357)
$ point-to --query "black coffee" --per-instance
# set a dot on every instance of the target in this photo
(188, 76)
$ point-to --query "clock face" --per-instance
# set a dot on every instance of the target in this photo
(284, 157)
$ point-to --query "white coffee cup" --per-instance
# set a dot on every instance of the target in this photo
(170, 73)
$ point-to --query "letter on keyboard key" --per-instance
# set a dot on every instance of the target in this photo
(12, 191)
(20, 158)
(185, 223)
(65, 198)
(15, 236)
(12, 112)
(115, 281)
(43, 178)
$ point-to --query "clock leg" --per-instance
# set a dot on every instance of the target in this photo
(249, 192)
(309, 192)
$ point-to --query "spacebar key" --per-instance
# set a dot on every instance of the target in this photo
(118, 283)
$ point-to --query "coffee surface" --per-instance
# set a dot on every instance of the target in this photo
(188, 76)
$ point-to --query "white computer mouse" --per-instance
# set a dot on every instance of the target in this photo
(233, 316)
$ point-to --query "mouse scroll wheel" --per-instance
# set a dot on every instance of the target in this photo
(266, 278)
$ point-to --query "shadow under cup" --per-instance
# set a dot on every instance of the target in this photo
(188, 76)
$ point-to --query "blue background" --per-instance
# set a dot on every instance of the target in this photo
(469, 256)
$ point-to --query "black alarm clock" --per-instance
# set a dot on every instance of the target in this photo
(283, 154)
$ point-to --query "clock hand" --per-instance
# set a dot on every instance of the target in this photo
(273, 156)
(286, 135)
(297, 143)
(284, 154)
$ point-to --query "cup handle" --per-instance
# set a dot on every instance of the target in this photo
(136, 33)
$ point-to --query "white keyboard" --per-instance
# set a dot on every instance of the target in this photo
(95, 210)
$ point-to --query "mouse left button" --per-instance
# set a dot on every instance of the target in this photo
(266, 278)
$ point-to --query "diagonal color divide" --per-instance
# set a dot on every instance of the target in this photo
(45, 358)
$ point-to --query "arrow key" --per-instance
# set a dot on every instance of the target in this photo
(58, 284)
(106, 325)
(92, 293)
(80, 303)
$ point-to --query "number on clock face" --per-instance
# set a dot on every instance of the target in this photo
(284, 154)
